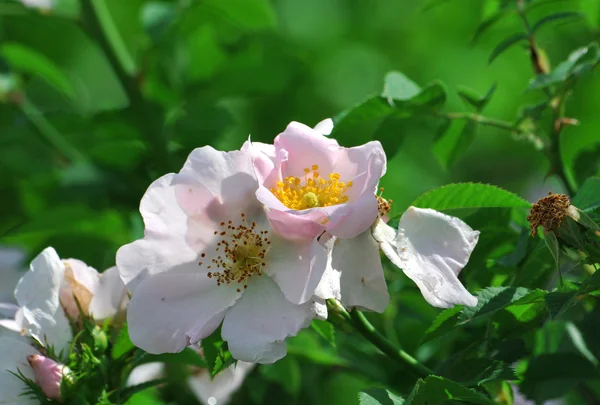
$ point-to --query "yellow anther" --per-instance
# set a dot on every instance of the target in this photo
(313, 191)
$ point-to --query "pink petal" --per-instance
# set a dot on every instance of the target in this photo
(306, 147)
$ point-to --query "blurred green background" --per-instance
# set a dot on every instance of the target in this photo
(83, 132)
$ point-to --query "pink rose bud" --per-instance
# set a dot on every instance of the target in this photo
(48, 375)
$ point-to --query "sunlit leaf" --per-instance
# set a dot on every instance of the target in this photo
(469, 195)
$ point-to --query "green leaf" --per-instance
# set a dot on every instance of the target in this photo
(555, 17)
(443, 323)
(558, 302)
(550, 376)
(479, 371)
(579, 61)
(507, 43)
(27, 60)
(492, 299)
(472, 98)
(325, 329)
(588, 195)
(438, 390)
(552, 244)
(487, 24)
(123, 345)
(469, 195)
(286, 372)
(400, 100)
(399, 87)
(217, 354)
(378, 396)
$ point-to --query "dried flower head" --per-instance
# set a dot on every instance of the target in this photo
(549, 212)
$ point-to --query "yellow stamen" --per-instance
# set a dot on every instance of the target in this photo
(314, 191)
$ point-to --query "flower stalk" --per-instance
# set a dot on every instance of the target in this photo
(358, 320)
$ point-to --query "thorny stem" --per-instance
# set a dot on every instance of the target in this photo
(142, 113)
(362, 325)
(558, 119)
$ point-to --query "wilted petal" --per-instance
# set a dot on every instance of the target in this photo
(38, 296)
(13, 358)
(79, 285)
(258, 324)
(170, 311)
(219, 390)
(432, 248)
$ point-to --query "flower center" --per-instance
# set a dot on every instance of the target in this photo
(312, 191)
(240, 254)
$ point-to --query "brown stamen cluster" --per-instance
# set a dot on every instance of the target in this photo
(383, 206)
(243, 254)
(548, 212)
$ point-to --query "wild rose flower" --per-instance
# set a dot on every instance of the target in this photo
(310, 184)
(18, 356)
(430, 247)
(209, 256)
(47, 294)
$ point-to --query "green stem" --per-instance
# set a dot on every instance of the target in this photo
(51, 134)
(144, 114)
(556, 162)
(362, 325)
(554, 155)
(509, 126)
